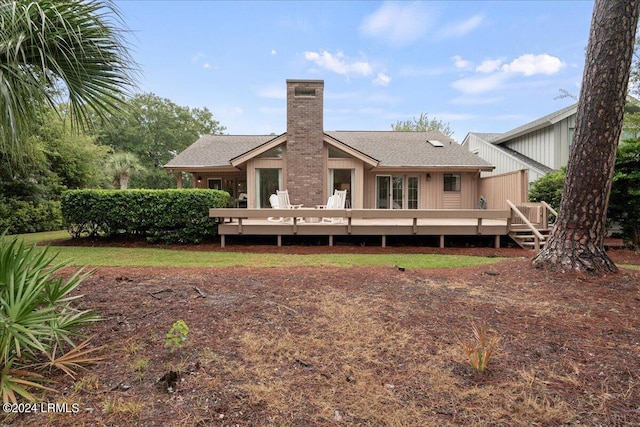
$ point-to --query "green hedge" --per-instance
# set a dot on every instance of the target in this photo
(169, 216)
(21, 216)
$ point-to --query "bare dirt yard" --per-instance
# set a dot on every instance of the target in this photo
(358, 346)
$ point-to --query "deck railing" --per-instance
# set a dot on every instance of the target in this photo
(309, 217)
(533, 216)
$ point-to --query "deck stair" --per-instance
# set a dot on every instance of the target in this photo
(525, 238)
(530, 227)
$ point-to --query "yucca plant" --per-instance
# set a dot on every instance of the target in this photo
(37, 321)
(480, 351)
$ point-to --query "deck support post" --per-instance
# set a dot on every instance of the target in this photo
(279, 239)
(442, 240)
(497, 245)
(222, 241)
(331, 240)
(384, 241)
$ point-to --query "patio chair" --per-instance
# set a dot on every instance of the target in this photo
(284, 203)
(273, 200)
(337, 201)
(283, 200)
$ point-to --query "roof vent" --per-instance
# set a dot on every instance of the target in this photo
(435, 142)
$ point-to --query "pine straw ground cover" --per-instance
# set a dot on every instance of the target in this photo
(358, 347)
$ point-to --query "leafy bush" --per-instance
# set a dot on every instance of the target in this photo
(549, 188)
(21, 216)
(37, 321)
(169, 216)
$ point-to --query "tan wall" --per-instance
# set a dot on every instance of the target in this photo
(511, 185)
(431, 191)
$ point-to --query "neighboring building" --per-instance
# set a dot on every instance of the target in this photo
(380, 169)
(540, 146)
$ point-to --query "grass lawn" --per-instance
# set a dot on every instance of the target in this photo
(155, 257)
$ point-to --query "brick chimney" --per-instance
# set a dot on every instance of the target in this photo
(305, 174)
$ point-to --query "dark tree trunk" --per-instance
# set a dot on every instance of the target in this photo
(577, 241)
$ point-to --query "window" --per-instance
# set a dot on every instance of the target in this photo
(452, 182)
(412, 196)
(274, 153)
(268, 180)
(337, 154)
(214, 183)
(342, 179)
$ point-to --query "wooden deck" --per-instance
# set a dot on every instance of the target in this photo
(362, 222)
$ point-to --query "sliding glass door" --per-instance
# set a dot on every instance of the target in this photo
(268, 180)
(396, 192)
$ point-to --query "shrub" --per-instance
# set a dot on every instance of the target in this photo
(549, 188)
(38, 321)
(169, 216)
(21, 216)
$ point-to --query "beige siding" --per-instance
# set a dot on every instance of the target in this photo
(431, 192)
(451, 200)
(512, 185)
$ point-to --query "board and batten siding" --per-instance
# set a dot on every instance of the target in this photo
(549, 146)
(537, 145)
(502, 161)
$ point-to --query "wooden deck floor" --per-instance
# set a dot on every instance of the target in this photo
(364, 222)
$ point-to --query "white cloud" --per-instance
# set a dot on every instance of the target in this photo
(273, 52)
(397, 22)
(460, 63)
(529, 65)
(462, 28)
(238, 110)
(206, 65)
(338, 63)
(382, 80)
(474, 85)
(489, 66)
(493, 73)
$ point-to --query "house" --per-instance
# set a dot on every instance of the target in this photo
(540, 146)
(379, 169)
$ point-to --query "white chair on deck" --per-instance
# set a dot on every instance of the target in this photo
(280, 200)
(283, 200)
(337, 201)
(273, 201)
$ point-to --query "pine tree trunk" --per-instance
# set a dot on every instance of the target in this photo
(577, 241)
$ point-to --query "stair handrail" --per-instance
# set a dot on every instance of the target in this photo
(539, 236)
(549, 208)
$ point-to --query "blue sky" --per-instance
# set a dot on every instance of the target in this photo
(480, 66)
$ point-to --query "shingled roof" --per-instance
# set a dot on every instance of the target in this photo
(390, 148)
(216, 150)
(410, 149)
